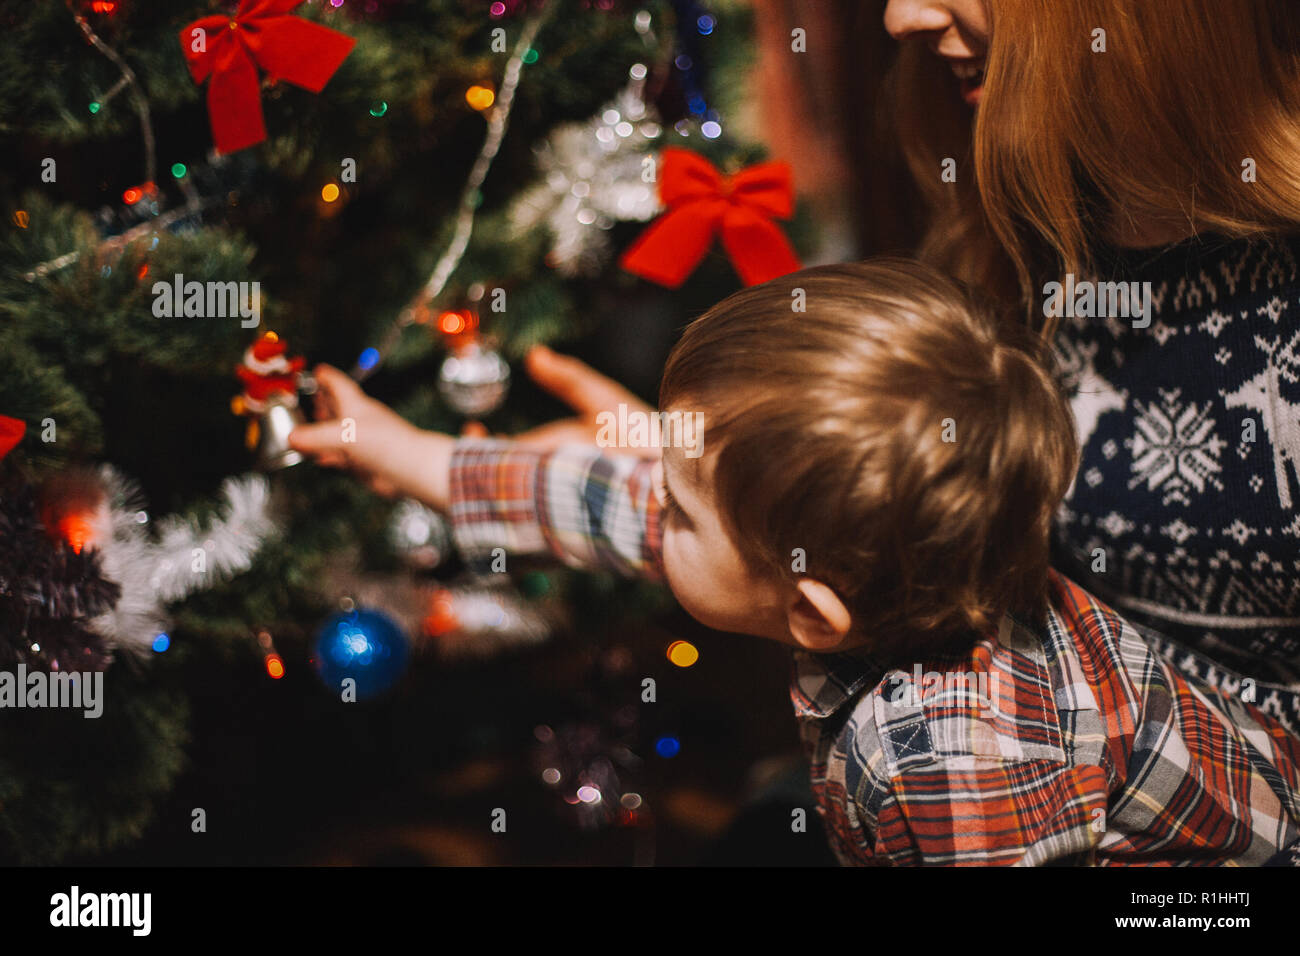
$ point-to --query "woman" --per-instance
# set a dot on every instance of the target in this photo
(1154, 142)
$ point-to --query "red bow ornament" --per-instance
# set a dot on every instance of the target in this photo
(12, 431)
(229, 50)
(702, 204)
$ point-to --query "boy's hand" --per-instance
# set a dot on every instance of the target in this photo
(390, 454)
(586, 391)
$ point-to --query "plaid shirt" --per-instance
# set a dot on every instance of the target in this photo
(1068, 742)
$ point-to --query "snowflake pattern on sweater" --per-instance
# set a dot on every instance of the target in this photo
(1185, 511)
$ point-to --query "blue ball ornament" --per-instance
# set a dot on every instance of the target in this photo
(364, 645)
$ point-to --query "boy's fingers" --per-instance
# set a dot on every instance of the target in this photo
(339, 385)
(324, 406)
(318, 439)
(576, 383)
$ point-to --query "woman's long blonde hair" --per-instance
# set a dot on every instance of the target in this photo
(1068, 144)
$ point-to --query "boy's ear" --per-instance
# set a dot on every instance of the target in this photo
(818, 619)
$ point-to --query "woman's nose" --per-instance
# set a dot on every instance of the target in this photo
(905, 17)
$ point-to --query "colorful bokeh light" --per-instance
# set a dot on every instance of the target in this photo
(480, 97)
(667, 747)
(683, 653)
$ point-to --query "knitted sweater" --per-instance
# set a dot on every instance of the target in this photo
(1185, 512)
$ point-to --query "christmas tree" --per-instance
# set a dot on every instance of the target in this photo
(197, 195)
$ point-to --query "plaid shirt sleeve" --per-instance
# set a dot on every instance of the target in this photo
(588, 509)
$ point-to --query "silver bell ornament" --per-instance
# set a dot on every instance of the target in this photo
(474, 378)
(419, 535)
(281, 416)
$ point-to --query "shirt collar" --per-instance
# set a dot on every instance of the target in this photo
(822, 683)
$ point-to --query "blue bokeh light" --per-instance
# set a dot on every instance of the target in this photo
(668, 746)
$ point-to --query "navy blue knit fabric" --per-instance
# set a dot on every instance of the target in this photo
(1185, 513)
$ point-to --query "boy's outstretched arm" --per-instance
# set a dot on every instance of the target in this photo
(586, 508)
(583, 507)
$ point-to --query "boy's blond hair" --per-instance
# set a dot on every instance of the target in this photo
(912, 448)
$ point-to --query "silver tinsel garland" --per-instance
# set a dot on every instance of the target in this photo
(180, 557)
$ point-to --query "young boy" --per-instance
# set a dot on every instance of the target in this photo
(874, 487)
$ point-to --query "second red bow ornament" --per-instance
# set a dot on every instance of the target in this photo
(227, 52)
(12, 431)
(703, 204)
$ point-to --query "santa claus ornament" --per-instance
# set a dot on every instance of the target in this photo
(270, 400)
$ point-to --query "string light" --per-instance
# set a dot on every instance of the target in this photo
(329, 192)
(178, 170)
(161, 643)
(441, 618)
(454, 323)
(379, 109)
(274, 666)
(683, 653)
(480, 97)
(20, 219)
(272, 661)
(136, 193)
(668, 747)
